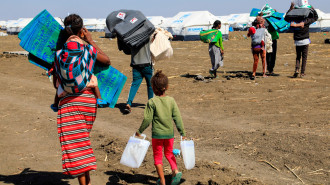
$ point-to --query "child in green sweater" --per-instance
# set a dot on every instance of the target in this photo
(161, 111)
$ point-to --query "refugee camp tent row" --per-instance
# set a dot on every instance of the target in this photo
(186, 26)
(183, 26)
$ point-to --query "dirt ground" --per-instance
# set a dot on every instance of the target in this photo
(245, 132)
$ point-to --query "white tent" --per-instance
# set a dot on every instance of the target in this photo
(94, 25)
(3, 25)
(15, 26)
(323, 21)
(187, 25)
(240, 21)
(156, 20)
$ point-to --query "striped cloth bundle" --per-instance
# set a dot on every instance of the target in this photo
(40, 38)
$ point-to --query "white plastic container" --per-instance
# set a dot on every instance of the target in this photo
(188, 153)
(135, 151)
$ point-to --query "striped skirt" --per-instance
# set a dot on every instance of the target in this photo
(75, 119)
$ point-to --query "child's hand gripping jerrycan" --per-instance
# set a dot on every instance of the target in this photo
(135, 151)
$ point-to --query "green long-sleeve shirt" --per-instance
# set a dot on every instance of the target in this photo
(161, 112)
(219, 43)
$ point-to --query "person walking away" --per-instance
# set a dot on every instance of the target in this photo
(216, 51)
(302, 41)
(77, 109)
(161, 111)
(271, 57)
(258, 35)
(142, 68)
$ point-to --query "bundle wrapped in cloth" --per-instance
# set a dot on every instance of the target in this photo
(301, 4)
(160, 46)
(132, 28)
(302, 10)
(275, 19)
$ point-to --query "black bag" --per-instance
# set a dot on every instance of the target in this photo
(298, 15)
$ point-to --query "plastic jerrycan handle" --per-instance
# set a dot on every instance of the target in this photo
(144, 136)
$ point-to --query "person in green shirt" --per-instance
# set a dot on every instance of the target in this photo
(161, 111)
(216, 51)
(271, 57)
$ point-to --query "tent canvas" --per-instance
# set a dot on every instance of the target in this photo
(187, 25)
(94, 25)
(3, 25)
(15, 26)
(156, 20)
(240, 22)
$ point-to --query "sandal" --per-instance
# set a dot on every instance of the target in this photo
(158, 182)
(213, 74)
(101, 102)
(176, 179)
(127, 109)
(54, 108)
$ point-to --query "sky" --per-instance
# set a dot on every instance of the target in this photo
(14, 9)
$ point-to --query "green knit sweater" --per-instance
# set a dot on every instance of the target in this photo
(161, 112)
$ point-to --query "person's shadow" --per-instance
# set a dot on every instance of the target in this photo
(119, 178)
(122, 106)
(28, 176)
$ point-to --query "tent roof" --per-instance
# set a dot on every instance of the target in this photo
(322, 15)
(156, 20)
(20, 23)
(189, 19)
(239, 18)
(3, 23)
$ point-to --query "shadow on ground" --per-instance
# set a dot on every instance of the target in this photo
(28, 176)
(122, 107)
(120, 178)
(228, 75)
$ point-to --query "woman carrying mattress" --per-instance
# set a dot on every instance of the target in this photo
(77, 110)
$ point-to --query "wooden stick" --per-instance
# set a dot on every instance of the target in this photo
(294, 173)
(269, 164)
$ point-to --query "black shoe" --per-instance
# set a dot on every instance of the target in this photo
(127, 109)
(253, 78)
(295, 75)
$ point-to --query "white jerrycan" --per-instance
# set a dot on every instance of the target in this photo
(188, 153)
(135, 151)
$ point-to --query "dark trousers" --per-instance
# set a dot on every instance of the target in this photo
(302, 51)
(271, 58)
(138, 74)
